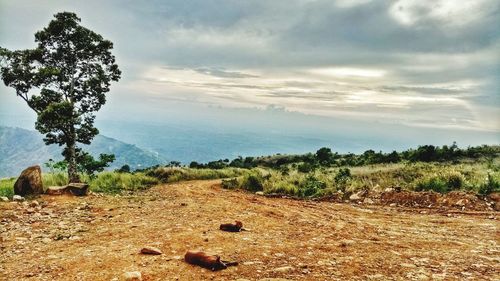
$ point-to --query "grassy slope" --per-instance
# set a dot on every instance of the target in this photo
(114, 182)
(441, 177)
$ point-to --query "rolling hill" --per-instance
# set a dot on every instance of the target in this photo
(20, 148)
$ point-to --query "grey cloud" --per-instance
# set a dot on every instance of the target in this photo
(223, 73)
(225, 38)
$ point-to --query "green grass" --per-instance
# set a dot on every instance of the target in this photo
(7, 187)
(481, 177)
(478, 177)
(176, 174)
(115, 182)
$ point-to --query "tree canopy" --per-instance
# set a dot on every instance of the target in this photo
(64, 80)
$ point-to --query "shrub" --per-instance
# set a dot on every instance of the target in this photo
(175, 174)
(253, 181)
(311, 186)
(230, 183)
(433, 183)
(305, 167)
(343, 175)
(124, 169)
(491, 185)
(283, 187)
(454, 180)
(112, 182)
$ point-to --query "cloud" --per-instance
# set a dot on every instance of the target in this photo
(422, 63)
(445, 12)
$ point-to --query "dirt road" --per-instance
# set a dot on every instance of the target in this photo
(99, 238)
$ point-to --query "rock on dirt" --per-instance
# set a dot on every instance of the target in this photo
(78, 189)
(132, 276)
(495, 197)
(283, 269)
(368, 201)
(150, 251)
(4, 199)
(29, 182)
(17, 198)
(355, 197)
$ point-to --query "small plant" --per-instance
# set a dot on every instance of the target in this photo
(454, 180)
(253, 181)
(342, 177)
(112, 182)
(124, 169)
(283, 187)
(491, 185)
(305, 167)
(311, 186)
(230, 183)
(434, 183)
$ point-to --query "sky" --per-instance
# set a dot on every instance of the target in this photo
(425, 66)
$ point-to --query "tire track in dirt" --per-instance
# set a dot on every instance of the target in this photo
(99, 237)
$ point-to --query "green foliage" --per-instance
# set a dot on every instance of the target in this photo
(56, 167)
(489, 186)
(175, 174)
(55, 179)
(325, 156)
(439, 177)
(343, 175)
(88, 165)
(230, 183)
(283, 187)
(7, 187)
(253, 181)
(311, 186)
(112, 182)
(71, 68)
(124, 169)
(442, 182)
(432, 183)
(305, 167)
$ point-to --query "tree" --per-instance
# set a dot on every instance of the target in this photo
(124, 169)
(87, 164)
(324, 155)
(64, 80)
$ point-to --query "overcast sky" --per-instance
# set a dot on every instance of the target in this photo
(421, 63)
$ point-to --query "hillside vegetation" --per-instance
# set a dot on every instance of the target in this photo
(322, 174)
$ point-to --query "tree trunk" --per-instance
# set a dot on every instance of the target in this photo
(71, 158)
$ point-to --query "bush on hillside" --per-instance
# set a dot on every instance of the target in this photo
(253, 181)
(311, 186)
(489, 186)
(443, 182)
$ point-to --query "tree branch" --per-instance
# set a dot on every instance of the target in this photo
(26, 99)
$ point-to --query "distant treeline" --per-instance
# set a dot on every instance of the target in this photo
(325, 157)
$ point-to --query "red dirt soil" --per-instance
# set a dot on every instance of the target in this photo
(99, 237)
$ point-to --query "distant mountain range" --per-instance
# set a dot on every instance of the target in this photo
(20, 148)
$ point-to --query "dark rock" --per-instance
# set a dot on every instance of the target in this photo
(29, 182)
(232, 227)
(495, 197)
